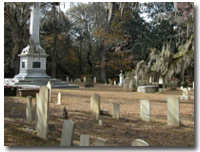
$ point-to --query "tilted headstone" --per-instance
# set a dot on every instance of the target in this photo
(95, 105)
(116, 111)
(59, 98)
(29, 110)
(145, 110)
(84, 140)
(42, 112)
(99, 142)
(173, 108)
(139, 142)
(49, 86)
(67, 133)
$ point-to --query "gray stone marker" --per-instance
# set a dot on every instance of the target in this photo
(173, 108)
(145, 110)
(29, 110)
(49, 86)
(84, 140)
(100, 123)
(42, 112)
(95, 105)
(67, 133)
(99, 142)
(139, 142)
(116, 111)
(59, 98)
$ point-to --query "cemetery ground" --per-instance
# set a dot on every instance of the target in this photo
(18, 132)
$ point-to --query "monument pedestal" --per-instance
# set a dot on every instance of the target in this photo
(32, 64)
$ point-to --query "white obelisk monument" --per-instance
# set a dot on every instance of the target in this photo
(33, 57)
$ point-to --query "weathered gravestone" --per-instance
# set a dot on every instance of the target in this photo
(116, 111)
(139, 142)
(59, 98)
(84, 79)
(100, 123)
(131, 83)
(173, 108)
(95, 105)
(49, 86)
(99, 142)
(67, 133)
(42, 112)
(84, 140)
(126, 83)
(145, 110)
(29, 110)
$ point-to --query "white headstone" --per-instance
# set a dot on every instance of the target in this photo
(95, 105)
(99, 142)
(100, 123)
(145, 110)
(42, 112)
(121, 79)
(160, 80)
(116, 111)
(67, 133)
(59, 98)
(115, 83)
(95, 80)
(84, 140)
(173, 108)
(139, 142)
(29, 110)
(150, 80)
(49, 86)
(84, 79)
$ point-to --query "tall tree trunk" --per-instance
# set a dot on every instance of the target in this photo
(80, 58)
(89, 60)
(103, 63)
(53, 64)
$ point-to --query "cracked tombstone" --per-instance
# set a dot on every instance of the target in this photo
(29, 110)
(95, 105)
(139, 142)
(84, 140)
(59, 98)
(42, 112)
(173, 108)
(116, 111)
(99, 142)
(145, 110)
(49, 86)
(67, 133)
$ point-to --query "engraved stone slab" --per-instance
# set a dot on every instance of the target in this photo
(116, 111)
(59, 98)
(29, 110)
(173, 108)
(145, 110)
(99, 142)
(139, 142)
(42, 112)
(84, 140)
(67, 133)
(95, 105)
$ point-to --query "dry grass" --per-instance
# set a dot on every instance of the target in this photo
(116, 132)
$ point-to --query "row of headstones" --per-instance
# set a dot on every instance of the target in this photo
(185, 92)
(68, 131)
(84, 79)
(173, 107)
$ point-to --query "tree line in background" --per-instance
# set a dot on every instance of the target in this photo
(100, 39)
